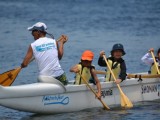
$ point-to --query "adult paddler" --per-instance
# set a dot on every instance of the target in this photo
(47, 53)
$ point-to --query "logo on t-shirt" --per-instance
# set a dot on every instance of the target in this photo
(45, 47)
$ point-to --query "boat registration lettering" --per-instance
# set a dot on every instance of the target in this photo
(108, 92)
(149, 88)
(55, 99)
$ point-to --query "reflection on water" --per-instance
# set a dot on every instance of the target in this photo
(141, 110)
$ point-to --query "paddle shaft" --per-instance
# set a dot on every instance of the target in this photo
(110, 70)
(132, 75)
(104, 105)
(143, 76)
(125, 99)
(155, 62)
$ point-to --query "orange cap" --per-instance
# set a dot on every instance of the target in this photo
(87, 55)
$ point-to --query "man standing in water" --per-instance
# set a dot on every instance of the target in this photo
(47, 53)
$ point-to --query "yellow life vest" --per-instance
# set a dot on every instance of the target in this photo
(85, 72)
(115, 70)
(154, 69)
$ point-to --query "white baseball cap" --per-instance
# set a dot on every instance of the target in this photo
(38, 26)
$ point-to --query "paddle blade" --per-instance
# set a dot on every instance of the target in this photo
(7, 78)
(125, 102)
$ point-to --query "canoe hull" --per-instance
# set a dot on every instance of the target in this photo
(78, 97)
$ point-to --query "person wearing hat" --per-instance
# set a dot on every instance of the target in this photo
(47, 53)
(116, 63)
(87, 70)
(147, 58)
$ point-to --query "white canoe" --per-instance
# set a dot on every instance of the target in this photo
(47, 98)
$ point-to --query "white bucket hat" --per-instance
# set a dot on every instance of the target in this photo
(38, 26)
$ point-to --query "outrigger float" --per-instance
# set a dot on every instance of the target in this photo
(48, 98)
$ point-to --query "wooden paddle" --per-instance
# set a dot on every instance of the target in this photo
(7, 78)
(155, 62)
(130, 75)
(104, 105)
(125, 102)
(143, 76)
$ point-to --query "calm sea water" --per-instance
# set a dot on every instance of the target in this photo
(89, 24)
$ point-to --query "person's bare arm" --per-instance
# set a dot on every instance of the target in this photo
(27, 57)
(97, 83)
(74, 69)
(60, 45)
